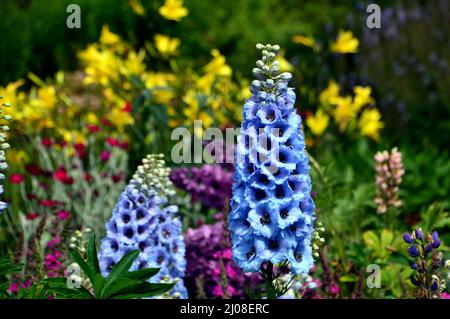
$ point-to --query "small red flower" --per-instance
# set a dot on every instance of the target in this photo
(48, 203)
(112, 141)
(31, 216)
(87, 177)
(63, 214)
(80, 149)
(127, 107)
(61, 175)
(123, 145)
(31, 196)
(33, 169)
(105, 155)
(116, 178)
(16, 178)
(93, 128)
(106, 122)
(47, 142)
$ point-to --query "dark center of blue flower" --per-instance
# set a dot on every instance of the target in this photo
(142, 245)
(140, 214)
(128, 232)
(160, 259)
(279, 192)
(142, 265)
(298, 256)
(114, 246)
(166, 233)
(263, 179)
(273, 244)
(250, 253)
(126, 218)
(265, 219)
(141, 229)
(284, 213)
(260, 194)
(270, 116)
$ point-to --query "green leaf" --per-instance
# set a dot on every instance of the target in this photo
(371, 240)
(119, 270)
(121, 285)
(142, 274)
(98, 284)
(92, 258)
(149, 290)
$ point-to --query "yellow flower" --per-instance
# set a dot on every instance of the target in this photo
(329, 95)
(108, 37)
(102, 66)
(72, 136)
(285, 66)
(10, 94)
(173, 10)
(47, 96)
(318, 122)
(161, 86)
(91, 118)
(344, 111)
(370, 123)
(134, 64)
(345, 43)
(16, 157)
(306, 41)
(165, 45)
(137, 7)
(362, 97)
(120, 118)
(218, 65)
(192, 111)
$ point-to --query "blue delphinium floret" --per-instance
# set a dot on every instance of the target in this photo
(143, 220)
(3, 147)
(272, 212)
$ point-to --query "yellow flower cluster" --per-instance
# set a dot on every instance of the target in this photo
(349, 113)
(211, 97)
(173, 10)
(345, 43)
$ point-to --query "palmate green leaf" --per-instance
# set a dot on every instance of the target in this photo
(119, 270)
(147, 290)
(92, 258)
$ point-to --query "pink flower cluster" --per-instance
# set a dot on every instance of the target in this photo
(389, 171)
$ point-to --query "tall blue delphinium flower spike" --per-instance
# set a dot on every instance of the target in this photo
(143, 220)
(272, 212)
(3, 147)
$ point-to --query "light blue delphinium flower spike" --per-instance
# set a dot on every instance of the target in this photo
(272, 212)
(142, 220)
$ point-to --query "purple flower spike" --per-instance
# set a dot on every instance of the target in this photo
(413, 251)
(407, 238)
(436, 241)
(419, 233)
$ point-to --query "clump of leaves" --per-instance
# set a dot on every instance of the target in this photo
(120, 283)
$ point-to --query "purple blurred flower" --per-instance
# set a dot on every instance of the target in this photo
(208, 256)
(208, 184)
